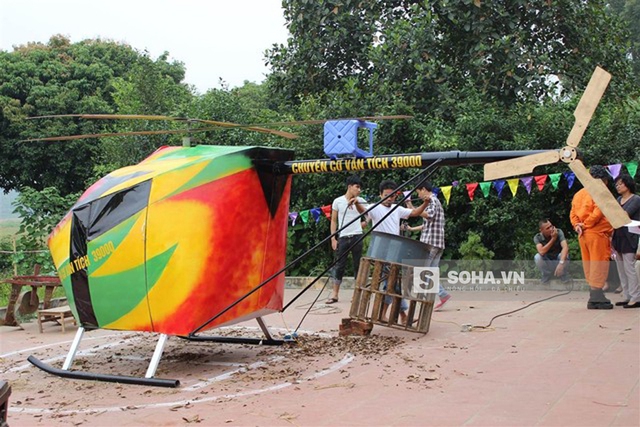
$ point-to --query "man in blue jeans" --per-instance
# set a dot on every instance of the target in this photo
(432, 233)
(553, 252)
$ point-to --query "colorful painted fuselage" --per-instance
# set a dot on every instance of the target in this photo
(166, 245)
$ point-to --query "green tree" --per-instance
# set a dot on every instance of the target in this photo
(60, 77)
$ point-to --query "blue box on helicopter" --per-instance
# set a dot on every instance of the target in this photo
(341, 138)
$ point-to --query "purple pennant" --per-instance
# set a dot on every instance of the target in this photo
(499, 185)
(455, 183)
(293, 216)
(526, 181)
(570, 177)
(615, 169)
(316, 212)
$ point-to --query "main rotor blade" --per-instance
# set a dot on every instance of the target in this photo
(519, 166)
(102, 135)
(280, 133)
(587, 105)
(321, 121)
(601, 195)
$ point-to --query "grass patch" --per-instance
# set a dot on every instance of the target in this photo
(9, 227)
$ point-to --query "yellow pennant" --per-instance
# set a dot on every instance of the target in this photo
(513, 185)
(447, 192)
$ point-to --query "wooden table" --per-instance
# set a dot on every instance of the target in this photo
(34, 281)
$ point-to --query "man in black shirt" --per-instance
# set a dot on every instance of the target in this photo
(553, 252)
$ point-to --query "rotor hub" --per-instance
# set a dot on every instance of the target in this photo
(568, 154)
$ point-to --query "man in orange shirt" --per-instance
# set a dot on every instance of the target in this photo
(594, 235)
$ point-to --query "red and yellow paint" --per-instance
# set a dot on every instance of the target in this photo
(205, 237)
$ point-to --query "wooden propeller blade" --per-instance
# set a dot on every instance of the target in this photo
(519, 166)
(601, 195)
(280, 133)
(102, 135)
(587, 105)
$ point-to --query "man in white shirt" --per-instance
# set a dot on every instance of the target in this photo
(343, 212)
(390, 224)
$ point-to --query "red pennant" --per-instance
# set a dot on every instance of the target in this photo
(471, 188)
(327, 211)
(540, 180)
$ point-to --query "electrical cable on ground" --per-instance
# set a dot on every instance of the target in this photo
(478, 327)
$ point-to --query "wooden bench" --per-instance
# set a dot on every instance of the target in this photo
(57, 314)
(29, 302)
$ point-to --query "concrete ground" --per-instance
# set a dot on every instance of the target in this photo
(554, 363)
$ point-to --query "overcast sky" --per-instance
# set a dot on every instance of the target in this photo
(213, 38)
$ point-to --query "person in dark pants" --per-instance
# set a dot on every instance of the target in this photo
(553, 252)
(625, 243)
(343, 212)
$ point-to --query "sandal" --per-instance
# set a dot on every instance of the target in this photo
(331, 301)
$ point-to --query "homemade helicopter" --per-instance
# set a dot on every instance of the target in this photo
(169, 245)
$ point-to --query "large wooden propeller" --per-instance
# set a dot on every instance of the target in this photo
(596, 188)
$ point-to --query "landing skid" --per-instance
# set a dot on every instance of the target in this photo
(148, 379)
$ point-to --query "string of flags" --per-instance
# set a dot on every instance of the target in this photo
(513, 184)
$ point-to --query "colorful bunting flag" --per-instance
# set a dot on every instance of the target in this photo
(485, 187)
(499, 186)
(540, 180)
(614, 169)
(555, 179)
(513, 186)
(471, 188)
(293, 216)
(305, 216)
(327, 211)
(632, 168)
(570, 177)
(316, 213)
(446, 191)
(526, 181)
(436, 191)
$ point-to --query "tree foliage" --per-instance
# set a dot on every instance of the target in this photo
(428, 51)
(61, 77)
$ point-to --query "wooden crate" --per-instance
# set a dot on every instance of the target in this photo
(369, 295)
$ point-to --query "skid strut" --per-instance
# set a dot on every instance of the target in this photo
(66, 371)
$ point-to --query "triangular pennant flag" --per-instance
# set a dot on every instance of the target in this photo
(326, 210)
(555, 178)
(570, 177)
(485, 187)
(632, 168)
(513, 186)
(471, 188)
(499, 185)
(446, 191)
(305, 216)
(316, 212)
(436, 191)
(526, 181)
(540, 180)
(455, 183)
(293, 216)
(615, 169)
